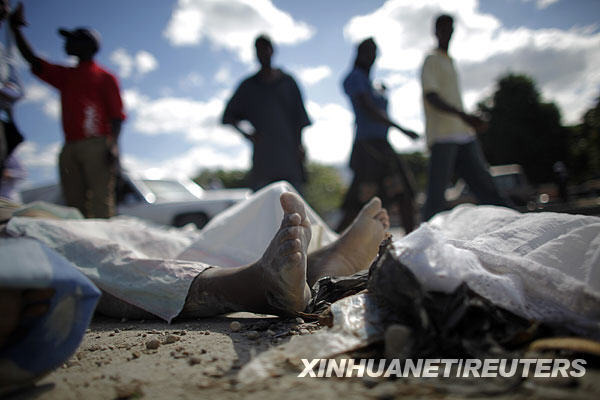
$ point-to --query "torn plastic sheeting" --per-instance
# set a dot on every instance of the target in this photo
(356, 324)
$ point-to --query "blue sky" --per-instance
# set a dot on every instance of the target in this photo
(179, 61)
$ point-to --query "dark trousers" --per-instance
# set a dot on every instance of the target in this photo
(468, 162)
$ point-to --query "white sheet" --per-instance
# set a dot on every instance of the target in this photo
(543, 266)
(153, 267)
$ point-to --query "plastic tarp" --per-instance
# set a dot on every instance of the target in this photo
(48, 340)
(541, 266)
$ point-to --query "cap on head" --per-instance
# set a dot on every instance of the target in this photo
(87, 34)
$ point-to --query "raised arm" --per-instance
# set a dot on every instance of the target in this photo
(16, 21)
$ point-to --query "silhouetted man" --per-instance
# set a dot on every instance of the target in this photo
(92, 113)
(271, 101)
(450, 131)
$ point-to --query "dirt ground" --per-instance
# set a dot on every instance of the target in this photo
(200, 359)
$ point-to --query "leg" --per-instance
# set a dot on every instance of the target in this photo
(100, 178)
(441, 168)
(472, 167)
(71, 178)
(355, 249)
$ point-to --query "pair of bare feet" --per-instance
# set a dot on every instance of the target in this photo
(279, 283)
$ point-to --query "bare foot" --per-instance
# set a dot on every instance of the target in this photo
(356, 248)
(275, 284)
(283, 264)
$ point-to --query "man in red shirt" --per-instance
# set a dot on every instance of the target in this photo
(92, 113)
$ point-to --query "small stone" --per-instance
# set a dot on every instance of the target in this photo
(207, 333)
(117, 331)
(235, 326)
(299, 320)
(135, 355)
(304, 331)
(130, 390)
(252, 335)
(111, 334)
(194, 360)
(171, 339)
(152, 344)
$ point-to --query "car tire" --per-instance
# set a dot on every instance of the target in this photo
(198, 219)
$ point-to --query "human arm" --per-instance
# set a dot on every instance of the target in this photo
(251, 136)
(436, 101)
(234, 115)
(380, 115)
(16, 21)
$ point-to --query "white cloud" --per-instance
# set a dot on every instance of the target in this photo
(188, 164)
(223, 75)
(145, 62)
(139, 63)
(329, 139)
(35, 156)
(542, 4)
(233, 25)
(212, 145)
(191, 81)
(195, 122)
(48, 99)
(313, 75)
(562, 62)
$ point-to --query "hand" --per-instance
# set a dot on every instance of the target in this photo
(411, 134)
(112, 153)
(477, 123)
(302, 153)
(254, 137)
(17, 17)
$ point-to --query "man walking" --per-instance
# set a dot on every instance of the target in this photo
(92, 113)
(450, 131)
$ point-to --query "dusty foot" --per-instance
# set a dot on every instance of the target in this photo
(355, 249)
(275, 284)
(283, 264)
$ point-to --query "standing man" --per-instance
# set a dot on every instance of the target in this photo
(450, 131)
(378, 169)
(271, 101)
(92, 113)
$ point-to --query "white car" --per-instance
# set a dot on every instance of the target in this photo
(176, 202)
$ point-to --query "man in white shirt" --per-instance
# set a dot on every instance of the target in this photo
(450, 131)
